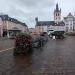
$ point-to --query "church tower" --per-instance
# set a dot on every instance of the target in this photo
(57, 14)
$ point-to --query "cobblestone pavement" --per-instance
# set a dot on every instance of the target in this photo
(57, 57)
(6, 43)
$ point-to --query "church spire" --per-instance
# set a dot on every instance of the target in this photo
(57, 8)
(57, 14)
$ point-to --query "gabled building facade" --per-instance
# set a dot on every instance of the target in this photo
(69, 23)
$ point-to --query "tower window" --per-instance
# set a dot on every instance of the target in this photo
(56, 14)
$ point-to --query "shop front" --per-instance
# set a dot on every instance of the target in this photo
(12, 33)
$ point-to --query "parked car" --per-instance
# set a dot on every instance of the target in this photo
(58, 34)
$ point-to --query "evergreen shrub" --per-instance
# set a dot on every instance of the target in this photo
(23, 43)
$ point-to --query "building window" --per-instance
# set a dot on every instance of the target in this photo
(66, 24)
(71, 28)
(58, 14)
(67, 29)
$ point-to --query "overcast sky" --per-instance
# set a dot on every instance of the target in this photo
(27, 10)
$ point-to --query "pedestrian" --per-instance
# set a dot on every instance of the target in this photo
(54, 37)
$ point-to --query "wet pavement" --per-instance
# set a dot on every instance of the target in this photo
(6, 43)
(57, 57)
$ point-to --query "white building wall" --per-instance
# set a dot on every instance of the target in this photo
(69, 23)
(59, 28)
(45, 28)
(56, 28)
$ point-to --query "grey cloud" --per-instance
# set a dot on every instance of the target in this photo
(36, 3)
(27, 10)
